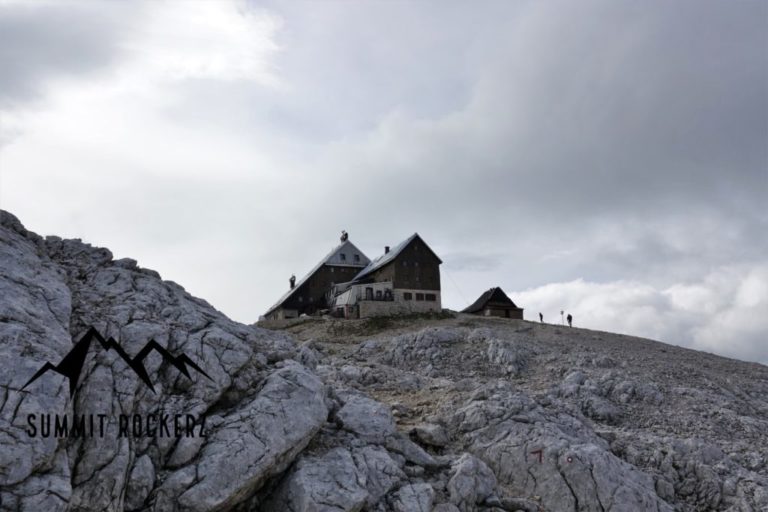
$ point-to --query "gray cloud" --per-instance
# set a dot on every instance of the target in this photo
(42, 41)
(467, 261)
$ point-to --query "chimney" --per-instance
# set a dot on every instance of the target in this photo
(386, 249)
(292, 281)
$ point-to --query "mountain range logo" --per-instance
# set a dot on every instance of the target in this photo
(72, 364)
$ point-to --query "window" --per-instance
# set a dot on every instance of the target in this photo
(431, 297)
(357, 258)
(405, 263)
(343, 256)
(378, 294)
(407, 296)
(331, 269)
(369, 294)
(419, 296)
(301, 299)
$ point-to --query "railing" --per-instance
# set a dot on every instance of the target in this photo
(383, 298)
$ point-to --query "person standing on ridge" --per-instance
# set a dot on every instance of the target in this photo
(541, 317)
(570, 320)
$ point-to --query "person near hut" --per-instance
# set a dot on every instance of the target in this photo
(570, 320)
(541, 317)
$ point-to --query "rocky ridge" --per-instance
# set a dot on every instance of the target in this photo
(443, 414)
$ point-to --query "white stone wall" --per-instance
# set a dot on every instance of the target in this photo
(399, 306)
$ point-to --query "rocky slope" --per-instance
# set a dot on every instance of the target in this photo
(446, 414)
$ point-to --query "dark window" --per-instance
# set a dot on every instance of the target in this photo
(431, 297)
(405, 263)
(387, 294)
(331, 269)
(369, 294)
(357, 257)
(407, 296)
(343, 257)
(419, 296)
(378, 294)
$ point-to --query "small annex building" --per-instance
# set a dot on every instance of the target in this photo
(495, 302)
(310, 294)
(405, 279)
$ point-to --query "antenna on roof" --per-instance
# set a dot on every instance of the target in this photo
(344, 236)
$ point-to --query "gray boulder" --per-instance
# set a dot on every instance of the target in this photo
(413, 498)
(471, 483)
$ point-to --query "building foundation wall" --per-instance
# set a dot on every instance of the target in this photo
(399, 306)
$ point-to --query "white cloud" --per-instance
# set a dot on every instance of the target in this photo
(220, 40)
(725, 312)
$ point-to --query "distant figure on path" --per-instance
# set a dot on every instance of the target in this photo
(570, 320)
(541, 318)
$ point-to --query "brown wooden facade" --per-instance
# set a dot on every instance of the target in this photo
(415, 267)
(495, 302)
(405, 280)
(310, 296)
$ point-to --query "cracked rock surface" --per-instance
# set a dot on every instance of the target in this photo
(261, 407)
(518, 415)
(456, 413)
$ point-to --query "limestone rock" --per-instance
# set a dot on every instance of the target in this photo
(367, 418)
(52, 289)
(330, 482)
(140, 483)
(471, 484)
(413, 498)
(258, 441)
(430, 434)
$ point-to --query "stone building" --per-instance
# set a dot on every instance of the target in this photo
(310, 294)
(405, 279)
(495, 302)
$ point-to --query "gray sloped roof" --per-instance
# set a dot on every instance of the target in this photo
(495, 295)
(329, 259)
(388, 257)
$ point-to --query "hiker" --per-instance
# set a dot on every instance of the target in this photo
(541, 317)
(570, 320)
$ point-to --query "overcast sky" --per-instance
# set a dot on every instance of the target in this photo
(609, 159)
